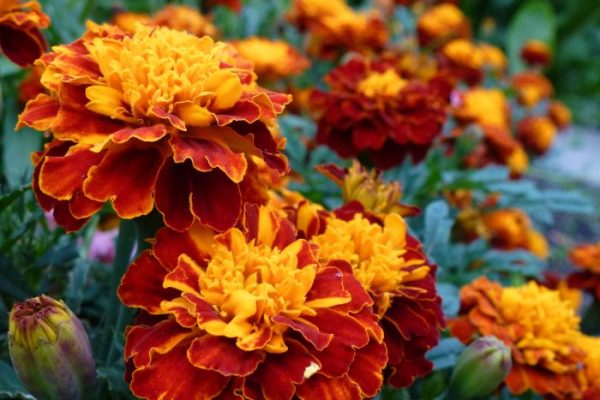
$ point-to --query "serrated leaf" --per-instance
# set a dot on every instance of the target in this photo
(450, 298)
(437, 229)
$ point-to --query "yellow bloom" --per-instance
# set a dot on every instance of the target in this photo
(518, 161)
(484, 106)
(442, 21)
(591, 346)
(493, 57)
(464, 53)
(377, 253)
(272, 59)
(381, 84)
(537, 133)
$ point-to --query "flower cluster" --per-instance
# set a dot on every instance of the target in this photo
(586, 258)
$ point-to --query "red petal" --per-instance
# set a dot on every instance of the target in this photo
(185, 276)
(22, 47)
(145, 134)
(207, 155)
(204, 311)
(216, 201)
(172, 377)
(278, 374)
(222, 355)
(344, 328)
(328, 283)
(81, 206)
(142, 284)
(323, 388)
(172, 196)
(63, 217)
(309, 331)
(367, 368)
(144, 341)
(244, 110)
(169, 245)
(39, 113)
(60, 177)
(126, 176)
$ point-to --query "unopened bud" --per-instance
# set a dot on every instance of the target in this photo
(480, 369)
(50, 350)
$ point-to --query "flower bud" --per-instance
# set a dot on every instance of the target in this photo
(50, 350)
(480, 369)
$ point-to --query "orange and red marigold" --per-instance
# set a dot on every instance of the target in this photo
(391, 266)
(540, 328)
(371, 110)
(586, 257)
(249, 313)
(158, 118)
(20, 37)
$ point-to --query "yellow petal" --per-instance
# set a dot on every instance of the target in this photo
(227, 88)
(194, 115)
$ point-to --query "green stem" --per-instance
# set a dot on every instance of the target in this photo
(590, 323)
(125, 243)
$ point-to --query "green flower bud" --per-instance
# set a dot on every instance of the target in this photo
(50, 350)
(480, 369)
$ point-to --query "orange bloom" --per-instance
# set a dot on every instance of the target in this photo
(442, 22)
(540, 328)
(586, 257)
(20, 38)
(536, 52)
(272, 59)
(391, 265)
(180, 18)
(160, 118)
(463, 59)
(493, 57)
(531, 88)
(250, 313)
(371, 110)
(537, 133)
(333, 25)
(510, 229)
(560, 114)
(486, 107)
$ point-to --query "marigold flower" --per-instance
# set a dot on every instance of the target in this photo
(160, 118)
(334, 25)
(251, 315)
(511, 229)
(391, 265)
(442, 22)
(272, 59)
(128, 21)
(371, 110)
(493, 57)
(536, 52)
(560, 114)
(571, 295)
(376, 197)
(463, 59)
(487, 107)
(537, 133)
(586, 257)
(539, 327)
(20, 38)
(531, 88)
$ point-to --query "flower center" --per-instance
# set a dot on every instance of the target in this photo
(249, 284)
(378, 84)
(376, 253)
(160, 71)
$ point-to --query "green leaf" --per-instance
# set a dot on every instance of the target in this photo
(535, 19)
(444, 355)
(17, 147)
(7, 199)
(437, 229)
(450, 298)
